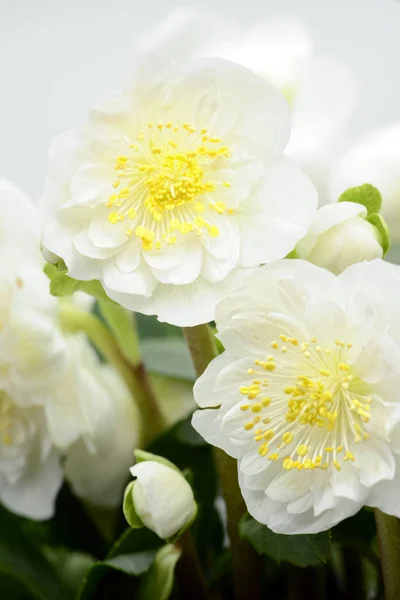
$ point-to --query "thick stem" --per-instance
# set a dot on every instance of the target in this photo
(388, 531)
(188, 570)
(134, 375)
(247, 565)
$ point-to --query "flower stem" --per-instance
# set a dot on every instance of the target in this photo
(133, 372)
(247, 565)
(188, 570)
(388, 531)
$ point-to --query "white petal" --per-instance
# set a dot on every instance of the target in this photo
(326, 217)
(203, 388)
(86, 247)
(34, 495)
(188, 269)
(277, 215)
(139, 282)
(91, 184)
(105, 234)
(385, 495)
(207, 423)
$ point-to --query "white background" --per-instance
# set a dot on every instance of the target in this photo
(58, 56)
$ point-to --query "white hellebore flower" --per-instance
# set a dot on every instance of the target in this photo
(374, 159)
(306, 394)
(162, 498)
(175, 183)
(321, 90)
(31, 355)
(340, 236)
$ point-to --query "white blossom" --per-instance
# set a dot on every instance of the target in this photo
(306, 394)
(162, 498)
(173, 184)
(58, 403)
(31, 355)
(340, 236)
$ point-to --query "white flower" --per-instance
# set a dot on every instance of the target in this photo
(172, 185)
(340, 236)
(162, 498)
(56, 399)
(321, 90)
(104, 422)
(374, 159)
(306, 394)
(31, 356)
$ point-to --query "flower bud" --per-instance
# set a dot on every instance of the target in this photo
(160, 498)
(340, 236)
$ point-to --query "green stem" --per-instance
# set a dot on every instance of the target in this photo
(122, 324)
(188, 570)
(388, 531)
(247, 565)
(134, 375)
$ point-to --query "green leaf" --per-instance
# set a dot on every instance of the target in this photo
(71, 567)
(168, 356)
(159, 580)
(130, 513)
(300, 550)
(380, 224)
(131, 555)
(21, 560)
(150, 327)
(366, 194)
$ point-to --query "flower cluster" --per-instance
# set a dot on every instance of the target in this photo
(179, 199)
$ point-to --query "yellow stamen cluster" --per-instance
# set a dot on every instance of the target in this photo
(162, 187)
(310, 418)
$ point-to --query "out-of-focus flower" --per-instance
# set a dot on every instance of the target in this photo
(321, 91)
(160, 497)
(171, 186)
(31, 356)
(306, 394)
(56, 399)
(340, 236)
(376, 160)
(104, 422)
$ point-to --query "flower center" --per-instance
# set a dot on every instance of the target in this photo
(164, 184)
(311, 409)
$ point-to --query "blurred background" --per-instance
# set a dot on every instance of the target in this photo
(57, 57)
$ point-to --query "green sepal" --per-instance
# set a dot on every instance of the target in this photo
(142, 456)
(61, 285)
(367, 195)
(380, 224)
(292, 254)
(158, 582)
(128, 508)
